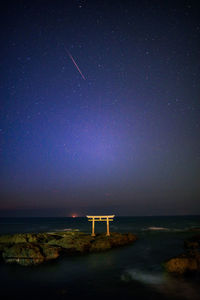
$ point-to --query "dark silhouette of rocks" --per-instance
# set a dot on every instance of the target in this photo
(189, 261)
(36, 248)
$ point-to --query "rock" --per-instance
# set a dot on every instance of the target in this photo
(12, 239)
(119, 239)
(189, 262)
(72, 241)
(25, 254)
(27, 237)
(181, 265)
(194, 229)
(50, 252)
(36, 248)
(102, 242)
(4, 246)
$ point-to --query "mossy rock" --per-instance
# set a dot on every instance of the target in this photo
(26, 238)
(50, 252)
(181, 265)
(188, 262)
(102, 242)
(119, 239)
(13, 239)
(24, 254)
(34, 248)
(73, 242)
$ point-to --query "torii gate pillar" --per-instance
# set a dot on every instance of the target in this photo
(93, 223)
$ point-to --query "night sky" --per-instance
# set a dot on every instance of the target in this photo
(100, 108)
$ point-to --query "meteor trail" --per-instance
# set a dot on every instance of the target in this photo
(71, 57)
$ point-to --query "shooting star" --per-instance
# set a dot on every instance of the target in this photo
(71, 57)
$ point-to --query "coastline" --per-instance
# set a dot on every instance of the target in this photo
(134, 271)
(29, 249)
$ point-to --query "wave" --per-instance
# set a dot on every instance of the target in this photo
(157, 228)
(144, 277)
(165, 284)
(66, 229)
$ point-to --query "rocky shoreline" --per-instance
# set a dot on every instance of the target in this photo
(35, 248)
(28, 249)
(189, 261)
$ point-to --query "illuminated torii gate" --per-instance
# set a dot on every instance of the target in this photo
(106, 219)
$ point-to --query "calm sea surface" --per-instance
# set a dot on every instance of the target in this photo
(131, 272)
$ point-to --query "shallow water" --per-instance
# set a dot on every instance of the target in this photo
(133, 271)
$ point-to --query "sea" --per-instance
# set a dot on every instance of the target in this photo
(129, 272)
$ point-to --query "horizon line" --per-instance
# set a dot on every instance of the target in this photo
(116, 216)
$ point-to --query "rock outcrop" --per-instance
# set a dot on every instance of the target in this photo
(36, 248)
(187, 262)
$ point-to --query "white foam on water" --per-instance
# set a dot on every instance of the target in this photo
(144, 277)
(63, 229)
(165, 284)
(158, 228)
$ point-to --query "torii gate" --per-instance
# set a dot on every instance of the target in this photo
(107, 219)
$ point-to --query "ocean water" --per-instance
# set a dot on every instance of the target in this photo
(132, 272)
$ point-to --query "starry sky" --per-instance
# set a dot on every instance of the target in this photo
(100, 108)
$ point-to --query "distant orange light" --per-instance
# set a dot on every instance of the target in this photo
(74, 216)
